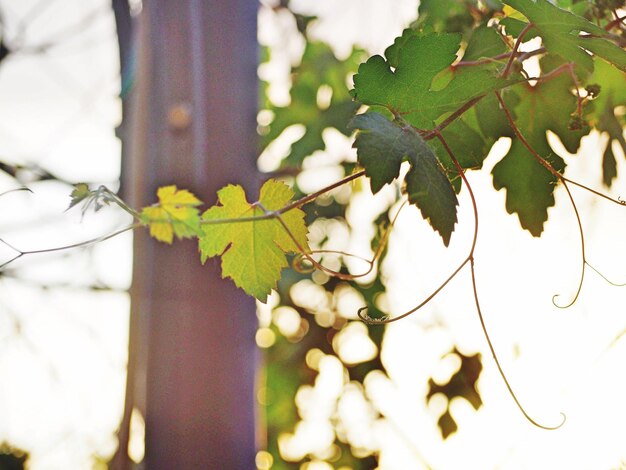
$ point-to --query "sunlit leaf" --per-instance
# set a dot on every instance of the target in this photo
(176, 213)
(253, 251)
(408, 85)
(80, 192)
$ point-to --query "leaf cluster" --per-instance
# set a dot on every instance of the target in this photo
(251, 241)
(421, 82)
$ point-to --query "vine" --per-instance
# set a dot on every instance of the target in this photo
(435, 101)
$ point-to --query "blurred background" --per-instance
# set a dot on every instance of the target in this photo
(329, 391)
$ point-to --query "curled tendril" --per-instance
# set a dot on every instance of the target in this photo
(371, 320)
(303, 256)
(302, 265)
(387, 319)
(582, 250)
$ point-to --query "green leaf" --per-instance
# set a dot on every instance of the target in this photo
(484, 42)
(530, 186)
(252, 251)
(392, 53)
(80, 192)
(383, 145)
(468, 145)
(176, 213)
(489, 116)
(612, 87)
(408, 88)
(560, 31)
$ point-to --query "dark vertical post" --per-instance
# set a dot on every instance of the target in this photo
(124, 28)
(193, 124)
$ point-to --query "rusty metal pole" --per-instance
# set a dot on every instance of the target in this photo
(193, 121)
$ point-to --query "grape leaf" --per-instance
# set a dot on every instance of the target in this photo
(176, 213)
(530, 186)
(466, 143)
(383, 145)
(252, 251)
(484, 42)
(409, 90)
(80, 192)
(560, 30)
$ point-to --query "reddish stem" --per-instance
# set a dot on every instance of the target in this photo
(509, 64)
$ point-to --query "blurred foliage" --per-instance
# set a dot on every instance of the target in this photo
(462, 384)
(320, 100)
(12, 458)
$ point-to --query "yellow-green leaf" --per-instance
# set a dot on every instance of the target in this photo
(252, 251)
(176, 213)
(80, 192)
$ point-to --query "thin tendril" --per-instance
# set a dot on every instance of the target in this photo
(386, 319)
(85, 243)
(582, 250)
(276, 215)
(604, 277)
(303, 255)
(579, 99)
(495, 358)
(117, 200)
(299, 260)
(475, 289)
